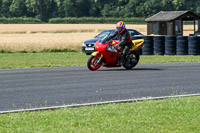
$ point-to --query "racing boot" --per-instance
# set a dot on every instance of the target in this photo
(122, 59)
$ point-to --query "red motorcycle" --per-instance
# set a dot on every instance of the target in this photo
(106, 55)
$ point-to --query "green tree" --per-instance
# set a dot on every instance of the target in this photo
(5, 12)
(18, 8)
(192, 5)
(83, 7)
(77, 8)
(178, 4)
(44, 9)
(197, 8)
(151, 7)
(0, 7)
(70, 7)
(60, 12)
(115, 8)
(134, 8)
(94, 10)
(167, 5)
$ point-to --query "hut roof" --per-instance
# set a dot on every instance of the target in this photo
(169, 15)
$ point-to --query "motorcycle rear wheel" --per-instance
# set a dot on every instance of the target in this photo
(131, 61)
(92, 63)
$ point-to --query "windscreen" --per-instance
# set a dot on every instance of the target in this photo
(104, 33)
(105, 39)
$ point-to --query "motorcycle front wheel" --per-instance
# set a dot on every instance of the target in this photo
(131, 60)
(93, 63)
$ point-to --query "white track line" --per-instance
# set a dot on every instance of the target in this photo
(96, 103)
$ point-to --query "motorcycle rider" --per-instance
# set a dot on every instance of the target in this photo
(124, 38)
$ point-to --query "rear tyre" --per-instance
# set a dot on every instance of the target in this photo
(131, 61)
(93, 64)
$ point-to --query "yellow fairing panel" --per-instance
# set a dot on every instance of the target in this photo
(95, 53)
(137, 43)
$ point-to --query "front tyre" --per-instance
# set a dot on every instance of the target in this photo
(93, 63)
(131, 60)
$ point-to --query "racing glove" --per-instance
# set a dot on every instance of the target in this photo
(116, 46)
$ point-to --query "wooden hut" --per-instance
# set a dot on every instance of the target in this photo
(171, 22)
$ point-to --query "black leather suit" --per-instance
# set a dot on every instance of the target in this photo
(125, 40)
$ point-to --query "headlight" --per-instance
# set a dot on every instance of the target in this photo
(83, 45)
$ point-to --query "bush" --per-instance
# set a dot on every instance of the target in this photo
(73, 20)
(20, 21)
(92, 20)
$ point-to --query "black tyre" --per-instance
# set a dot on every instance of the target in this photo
(181, 45)
(148, 45)
(93, 64)
(170, 45)
(193, 45)
(159, 45)
(131, 60)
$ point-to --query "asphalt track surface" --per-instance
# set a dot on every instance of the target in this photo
(46, 87)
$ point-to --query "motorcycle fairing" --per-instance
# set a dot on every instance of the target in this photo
(111, 58)
(97, 53)
(137, 44)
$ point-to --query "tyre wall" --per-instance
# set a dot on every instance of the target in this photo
(159, 45)
(148, 45)
(193, 45)
(181, 45)
(170, 45)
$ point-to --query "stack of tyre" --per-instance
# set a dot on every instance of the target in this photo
(181, 45)
(159, 45)
(193, 45)
(148, 45)
(171, 45)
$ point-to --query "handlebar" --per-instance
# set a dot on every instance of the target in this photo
(111, 48)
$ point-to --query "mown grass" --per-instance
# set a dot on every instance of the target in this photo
(60, 59)
(52, 59)
(175, 115)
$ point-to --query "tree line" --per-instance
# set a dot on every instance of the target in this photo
(46, 9)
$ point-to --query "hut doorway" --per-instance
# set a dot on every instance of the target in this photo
(190, 27)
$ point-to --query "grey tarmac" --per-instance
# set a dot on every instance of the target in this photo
(45, 87)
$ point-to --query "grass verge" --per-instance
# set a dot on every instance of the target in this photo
(60, 59)
(52, 59)
(173, 115)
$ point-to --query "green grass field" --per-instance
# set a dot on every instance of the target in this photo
(175, 115)
(60, 59)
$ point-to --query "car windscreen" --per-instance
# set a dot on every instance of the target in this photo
(133, 32)
(103, 34)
